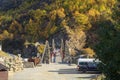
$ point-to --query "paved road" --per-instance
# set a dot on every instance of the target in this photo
(53, 71)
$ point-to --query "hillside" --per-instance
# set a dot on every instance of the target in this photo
(38, 20)
(35, 20)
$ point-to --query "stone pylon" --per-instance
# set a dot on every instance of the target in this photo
(46, 54)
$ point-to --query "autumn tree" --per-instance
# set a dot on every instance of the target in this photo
(32, 30)
(15, 28)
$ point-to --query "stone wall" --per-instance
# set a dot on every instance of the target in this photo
(14, 63)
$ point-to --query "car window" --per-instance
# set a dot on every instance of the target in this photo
(82, 63)
(92, 64)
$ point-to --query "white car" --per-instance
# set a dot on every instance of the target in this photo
(87, 64)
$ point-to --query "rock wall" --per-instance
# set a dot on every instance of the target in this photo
(14, 63)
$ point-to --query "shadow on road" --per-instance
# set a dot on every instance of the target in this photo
(72, 71)
(65, 71)
(91, 76)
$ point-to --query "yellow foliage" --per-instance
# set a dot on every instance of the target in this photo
(15, 27)
(30, 21)
(6, 33)
(109, 11)
(104, 1)
(111, 3)
(89, 52)
(40, 48)
(53, 14)
(60, 13)
(3, 54)
(46, 35)
(83, 6)
(37, 14)
(53, 29)
(91, 1)
(71, 6)
(5, 18)
(1, 37)
(93, 12)
(102, 8)
(76, 13)
(81, 19)
(31, 27)
(63, 23)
